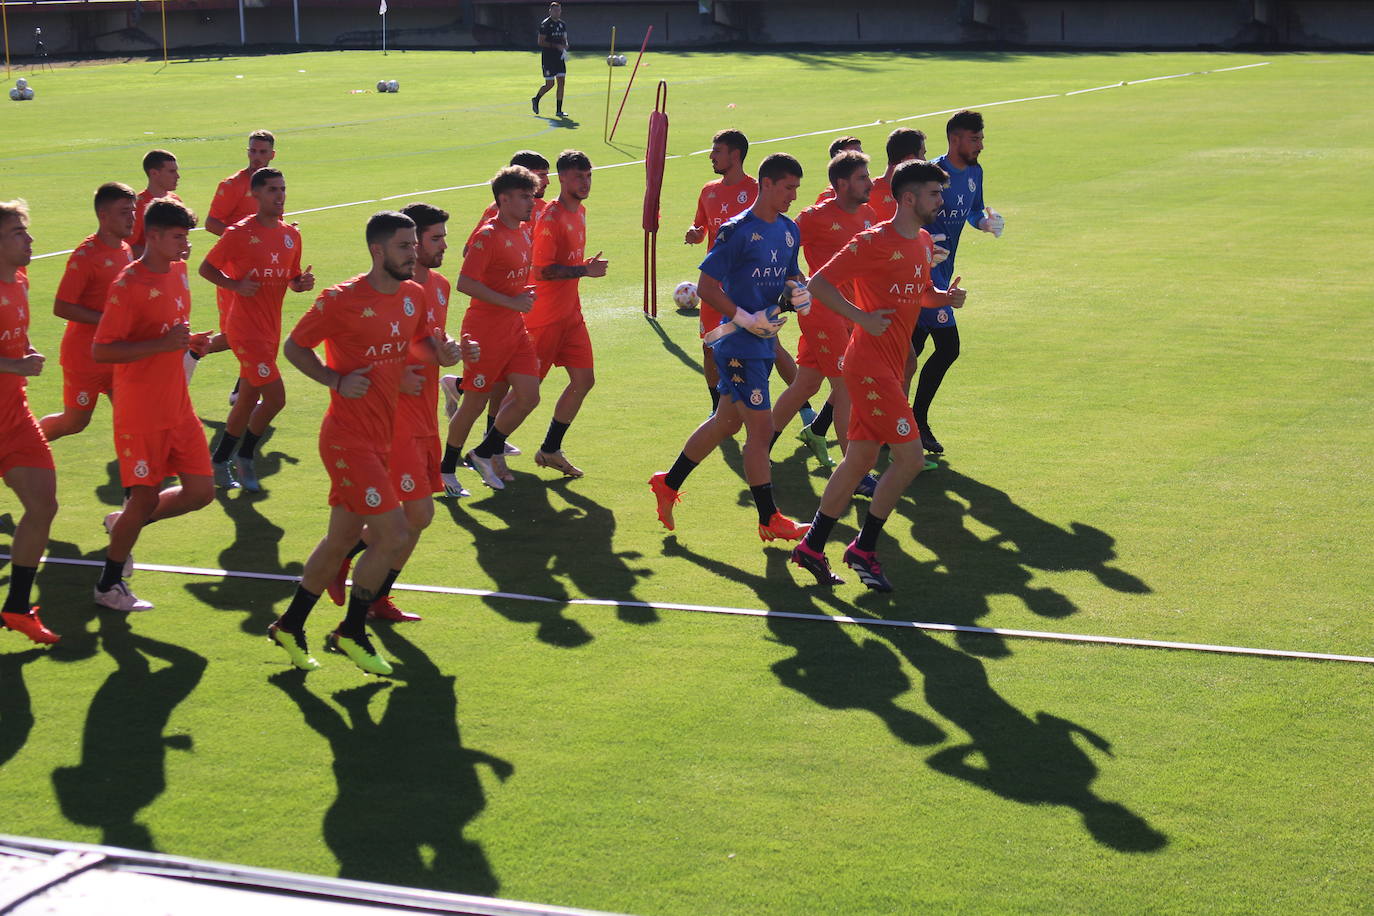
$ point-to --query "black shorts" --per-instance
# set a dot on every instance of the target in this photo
(554, 66)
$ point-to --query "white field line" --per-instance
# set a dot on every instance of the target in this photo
(755, 612)
(813, 133)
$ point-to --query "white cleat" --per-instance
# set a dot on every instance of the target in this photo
(110, 520)
(449, 386)
(453, 487)
(118, 598)
(512, 451)
(484, 467)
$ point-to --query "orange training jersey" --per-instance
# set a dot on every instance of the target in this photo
(719, 202)
(888, 272)
(825, 228)
(234, 199)
(881, 199)
(362, 327)
(145, 197)
(560, 237)
(489, 214)
(270, 255)
(91, 268)
(419, 413)
(14, 344)
(828, 193)
(498, 258)
(150, 393)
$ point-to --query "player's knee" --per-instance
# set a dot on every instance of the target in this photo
(41, 507)
(392, 531)
(199, 491)
(419, 515)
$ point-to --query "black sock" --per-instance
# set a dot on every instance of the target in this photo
(227, 444)
(821, 425)
(21, 584)
(110, 576)
(494, 444)
(452, 455)
(293, 621)
(821, 526)
(354, 622)
(763, 498)
(553, 440)
(491, 422)
(773, 441)
(389, 581)
(677, 474)
(715, 398)
(357, 549)
(868, 534)
(249, 444)
(194, 355)
(807, 406)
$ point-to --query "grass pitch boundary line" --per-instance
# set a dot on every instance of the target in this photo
(758, 612)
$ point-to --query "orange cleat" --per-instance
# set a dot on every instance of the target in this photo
(667, 498)
(386, 609)
(31, 626)
(782, 528)
(338, 586)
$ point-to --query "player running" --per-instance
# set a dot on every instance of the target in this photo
(373, 327)
(889, 270)
(744, 274)
(495, 273)
(255, 262)
(145, 331)
(161, 168)
(963, 203)
(903, 145)
(553, 56)
(555, 322)
(25, 459)
(80, 299)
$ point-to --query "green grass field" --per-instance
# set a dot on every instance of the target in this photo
(1159, 428)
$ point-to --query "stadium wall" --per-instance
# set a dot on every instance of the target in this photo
(89, 28)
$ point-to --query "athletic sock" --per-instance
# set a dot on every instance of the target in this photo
(249, 444)
(225, 449)
(452, 455)
(354, 621)
(763, 498)
(774, 441)
(494, 444)
(110, 576)
(821, 425)
(21, 584)
(821, 526)
(553, 440)
(357, 549)
(491, 422)
(677, 474)
(715, 398)
(293, 621)
(868, 534)
(389, 581)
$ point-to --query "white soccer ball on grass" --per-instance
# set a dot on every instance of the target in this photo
(686, 295)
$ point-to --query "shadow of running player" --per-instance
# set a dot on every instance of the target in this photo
(123, 748)
(16, 710)
(406, 785)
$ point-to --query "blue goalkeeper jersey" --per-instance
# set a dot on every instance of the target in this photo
(752, 260)
(963, 204)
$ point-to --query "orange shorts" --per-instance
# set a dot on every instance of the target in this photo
(83, 379)
(512, 355)
(414, 466)
(358, 479)
(824, 338)
(879, 411)
(564, 343)
(147, 459)
(23, 445)
(710, 319)
(257, 361)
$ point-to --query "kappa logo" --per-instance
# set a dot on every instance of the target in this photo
(755, 237)
(756, 397)
(83, 398)
(141, 469)
(408, 482)
(479, 381)
(903, 427)
(407, 306)
(264, 370)
(368, 313)
(288, 242)
(372, 497)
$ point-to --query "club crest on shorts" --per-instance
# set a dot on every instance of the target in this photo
(479, 381)
(408, 307)
(372, 497)
(839, 363)
(756, 397)
(903, 427)
(264, 370)
(943, 317)
(83, 398)
(408, 482)
(141, 469)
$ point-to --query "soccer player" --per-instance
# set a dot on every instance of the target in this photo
(373, 328)
(903, 145)
(963, 203)
(255, 261)
(161, 168)
(555, 322)
(495, 273)
(25, 459)
(744, 273)
(145, 331)
(553, 56)
(888, 268)
(81, 294)
(837, 146)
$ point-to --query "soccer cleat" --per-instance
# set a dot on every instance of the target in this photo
(338, 586)
(931, 464)
(488, 474)
(248, 474)
(359, 651)
(224, 476)
(30, 625)
(866, 486)
(782, 528)
(561, 113)
(807, 415)
(498, 464)
(930, 443)
(386, 609)
(534, 103)
(295, 646)
(511, 450)
(449, 386)
(816, 564)
(110, 520)
(118, 598)
(558, 461)
(667, 498)
(865, 563)
(818, 446)
(454, 489)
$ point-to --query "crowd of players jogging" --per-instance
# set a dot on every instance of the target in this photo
(879, 251)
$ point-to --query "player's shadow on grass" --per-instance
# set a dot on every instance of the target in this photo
(123, 748)
(16, 711)
(691, 362)
(64, 593)
(542, 547)
(111, 492)
(407, 787)
(564, 123)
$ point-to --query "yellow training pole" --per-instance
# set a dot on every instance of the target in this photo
(606, 126)
(164, 31)
(5, 16)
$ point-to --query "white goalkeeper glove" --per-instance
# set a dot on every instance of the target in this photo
(799, 297)
(994, 222)
(758, 323)
(938, 254)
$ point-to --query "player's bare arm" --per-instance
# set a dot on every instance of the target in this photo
(824, 292)
(30, 364)
(312, 367)
(244, 286)
(215, 226)
(303, 282)
(594, 267)
(479, 290)
(73, 312)
(695, 236)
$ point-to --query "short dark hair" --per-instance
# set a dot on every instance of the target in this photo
(964, 120)
(779, 165)
(425, 215)
(839, 143)
(263, 135)
(262, 176)
(111, 191)
(845, 164)
(732, 139)
(573, 159)
(168, 213)
(903, 143)
(513, 178)
(156, 160)
(530, 160)
(383, 224)
(916, 171)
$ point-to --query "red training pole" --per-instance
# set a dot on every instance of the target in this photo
(631, 82)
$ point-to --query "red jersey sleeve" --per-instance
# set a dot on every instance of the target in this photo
(224, 251)
(700, 220)
(117, 319)
(316, 324)
(548, 241)
(77, 276)
(225, 199)
(478, 256)
(849, 262)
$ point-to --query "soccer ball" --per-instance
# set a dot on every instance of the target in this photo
(21, 83)
(16, 94)
(393, 86)
(686, 295)
(28, 94)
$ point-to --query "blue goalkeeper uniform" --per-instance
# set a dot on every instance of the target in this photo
(963, 204)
